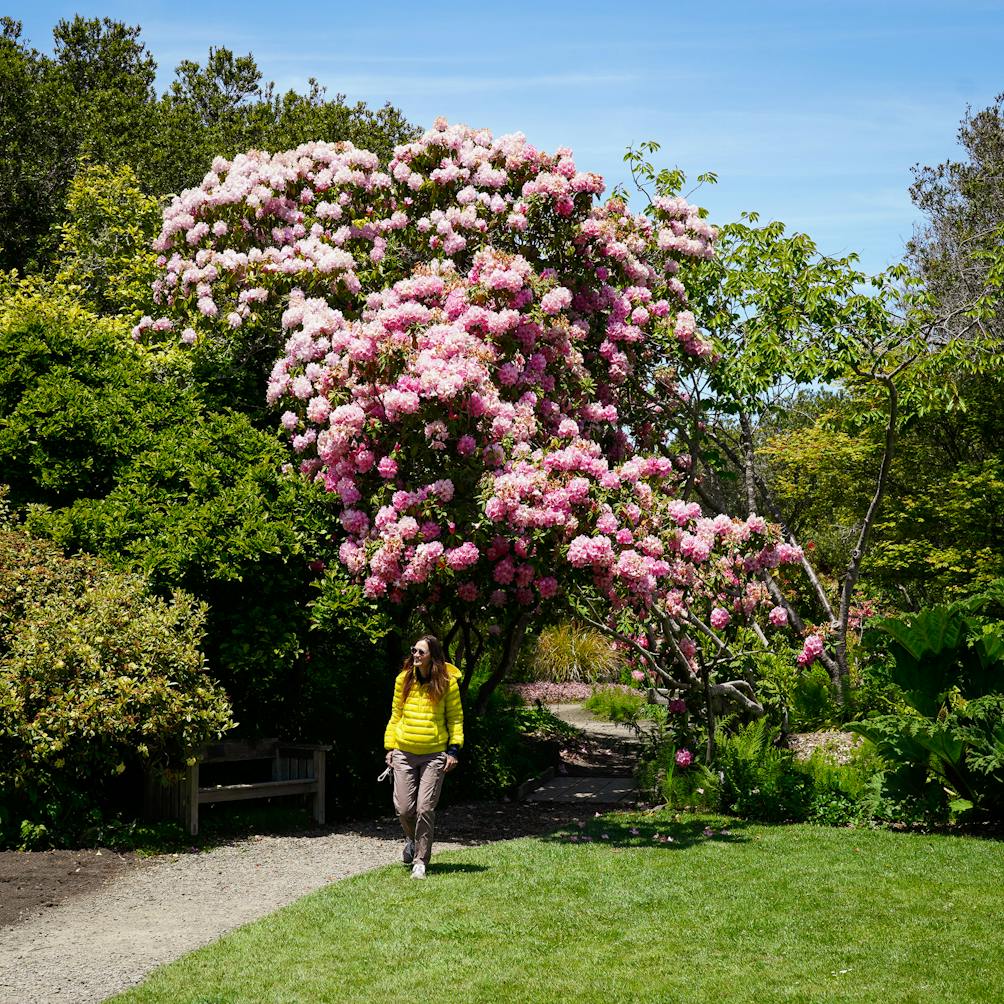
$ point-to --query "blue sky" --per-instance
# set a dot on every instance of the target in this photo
(811, 112)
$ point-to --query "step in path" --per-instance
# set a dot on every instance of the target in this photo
(607, 783)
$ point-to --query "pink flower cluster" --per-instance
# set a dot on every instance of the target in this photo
(328, 220)
(778, 617)
(812, 648)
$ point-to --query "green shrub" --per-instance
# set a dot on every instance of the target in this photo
(945, 750)
(794, 698)
(813, 702)
(979, 726)
(660, 779)
(777, 673)
(77, 399)
(945, 649)
(96, 675)
(113, 456)
(760, 781)
(536, 720)
(616, 704)
(842, 793)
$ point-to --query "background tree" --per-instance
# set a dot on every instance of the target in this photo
(105, 255)
(958, 249)
(784, 320)
(38, 144)
(94, 98)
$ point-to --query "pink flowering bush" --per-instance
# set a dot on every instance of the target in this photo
(474, 357)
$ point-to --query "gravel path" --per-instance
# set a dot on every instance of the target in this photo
(87, 948)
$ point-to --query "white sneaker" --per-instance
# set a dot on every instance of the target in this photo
(418, 869)
(408, 854)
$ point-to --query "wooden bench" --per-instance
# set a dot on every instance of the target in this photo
(295, 769)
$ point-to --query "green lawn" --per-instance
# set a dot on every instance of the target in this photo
(794, 913)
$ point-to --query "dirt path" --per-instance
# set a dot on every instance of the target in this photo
(93, 945)
(607, 748)
(30, 883)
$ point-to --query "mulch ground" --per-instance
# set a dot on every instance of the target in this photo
(838, 746)
(30, 880)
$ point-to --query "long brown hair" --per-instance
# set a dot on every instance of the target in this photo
(439, 679)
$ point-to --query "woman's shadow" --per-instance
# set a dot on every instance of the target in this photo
(444, 867)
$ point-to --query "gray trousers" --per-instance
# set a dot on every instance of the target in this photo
(418, 780)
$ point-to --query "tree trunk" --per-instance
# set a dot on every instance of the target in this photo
(853, 572)
(506, 660)
(709, 711)
(470, 650)
(749, 471)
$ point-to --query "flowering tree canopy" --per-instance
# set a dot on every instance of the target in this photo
(477, 359)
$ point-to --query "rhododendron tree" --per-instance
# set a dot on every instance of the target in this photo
(477, 359)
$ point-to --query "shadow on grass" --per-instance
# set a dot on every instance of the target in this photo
(449, 867)
(669, 831)
(470, 824)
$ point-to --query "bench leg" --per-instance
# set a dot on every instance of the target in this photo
(319, 765)
(192, 800)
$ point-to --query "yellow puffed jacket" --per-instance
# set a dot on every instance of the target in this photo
(420, 726)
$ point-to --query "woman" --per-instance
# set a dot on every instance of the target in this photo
(423, 741)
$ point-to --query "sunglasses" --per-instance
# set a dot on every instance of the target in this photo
(419, 651)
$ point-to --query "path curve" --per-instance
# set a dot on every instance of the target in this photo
(577, 715)
(600, 772)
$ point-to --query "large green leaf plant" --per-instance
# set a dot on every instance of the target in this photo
(948, 662)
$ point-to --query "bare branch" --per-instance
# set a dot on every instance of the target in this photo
(738, 692)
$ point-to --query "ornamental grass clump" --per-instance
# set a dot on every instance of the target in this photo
(572, 653)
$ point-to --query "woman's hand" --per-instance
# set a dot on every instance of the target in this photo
(451, 763)
(389, 758)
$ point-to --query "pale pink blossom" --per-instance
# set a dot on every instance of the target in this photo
(720, 618)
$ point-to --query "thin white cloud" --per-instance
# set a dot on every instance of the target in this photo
(390, 86)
